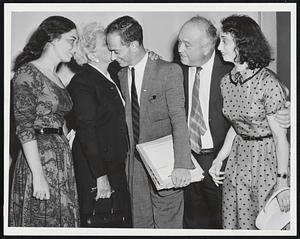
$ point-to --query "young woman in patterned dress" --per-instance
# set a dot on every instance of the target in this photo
(43, 191)
(256, 145)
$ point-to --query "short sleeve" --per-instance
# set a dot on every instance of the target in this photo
(275, 94)
(24, 101)
(224, 84)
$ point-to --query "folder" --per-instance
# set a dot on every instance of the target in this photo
(158, 158)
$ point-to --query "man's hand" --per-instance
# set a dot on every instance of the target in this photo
(103, 187)
(181, 177)
(283, 116)
(153, 56)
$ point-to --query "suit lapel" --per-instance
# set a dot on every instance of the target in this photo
(185, 70)
(147, 85)
(96, 73)
(218, 71)
(98, 76)
(123, 77)
(214, 82)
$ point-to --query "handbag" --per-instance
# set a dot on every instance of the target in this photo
(106, 214)
(271, 217)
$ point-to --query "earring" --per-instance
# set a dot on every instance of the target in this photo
(51, 42)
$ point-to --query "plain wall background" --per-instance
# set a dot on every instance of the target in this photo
(160, 28)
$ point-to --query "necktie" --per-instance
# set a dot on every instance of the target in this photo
(135, 109)
(197, 125)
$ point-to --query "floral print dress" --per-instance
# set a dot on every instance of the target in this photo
(248, 97)
(40, 103)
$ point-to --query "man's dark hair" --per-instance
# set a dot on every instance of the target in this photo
(128, 29)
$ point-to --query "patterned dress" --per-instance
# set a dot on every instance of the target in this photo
(39, 103)
(248, 97)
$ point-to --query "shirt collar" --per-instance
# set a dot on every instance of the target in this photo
(107, 75)
(141, 64)
(243, 75)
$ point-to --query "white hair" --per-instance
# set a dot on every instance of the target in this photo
(87, 41)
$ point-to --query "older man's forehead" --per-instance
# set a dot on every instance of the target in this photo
(192, 32)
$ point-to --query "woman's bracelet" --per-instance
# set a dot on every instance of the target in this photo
(282, 175)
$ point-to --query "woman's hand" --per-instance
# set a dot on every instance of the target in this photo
(283, 197)
(40, 185)
(216, 173)
(215, 169)
(103, 187)
(40, 188)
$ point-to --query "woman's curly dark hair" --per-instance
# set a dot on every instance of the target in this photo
(51, 28)
(251, 43)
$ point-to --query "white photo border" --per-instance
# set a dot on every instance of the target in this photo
(9, 8)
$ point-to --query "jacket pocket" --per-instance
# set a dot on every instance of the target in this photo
(157, 107)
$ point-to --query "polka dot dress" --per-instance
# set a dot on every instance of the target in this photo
(248, 96)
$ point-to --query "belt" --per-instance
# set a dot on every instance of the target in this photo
(206, 151)
(49, 131)
(256, 138)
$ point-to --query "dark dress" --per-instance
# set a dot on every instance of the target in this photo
(39, 103)
(100, 145)
(249, 96)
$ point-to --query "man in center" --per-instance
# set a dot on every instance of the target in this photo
(154, 96)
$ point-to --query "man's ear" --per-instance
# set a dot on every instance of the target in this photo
(134, 45)
(207, 48)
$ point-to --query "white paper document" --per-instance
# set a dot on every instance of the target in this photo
(158, 157)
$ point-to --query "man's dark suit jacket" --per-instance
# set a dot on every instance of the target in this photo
(100, 145)
(217, 122)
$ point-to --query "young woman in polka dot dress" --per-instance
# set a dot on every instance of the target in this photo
(256, 145)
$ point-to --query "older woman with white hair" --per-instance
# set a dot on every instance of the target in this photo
(100, 145)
